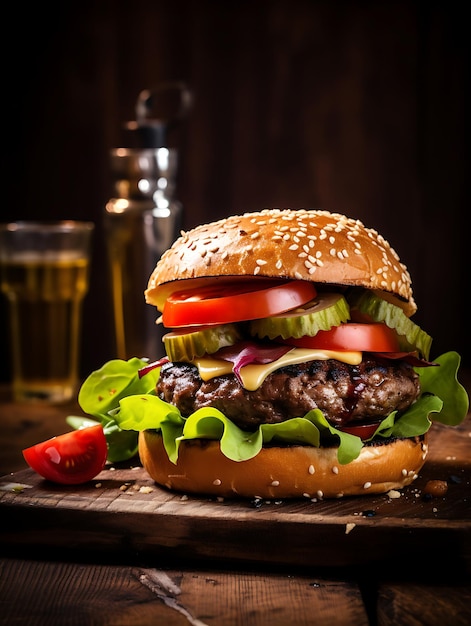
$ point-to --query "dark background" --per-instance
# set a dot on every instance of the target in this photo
(357, 107)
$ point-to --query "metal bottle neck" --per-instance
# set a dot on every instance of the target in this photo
(144, 174)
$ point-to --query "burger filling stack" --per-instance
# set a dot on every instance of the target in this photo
(292, 368)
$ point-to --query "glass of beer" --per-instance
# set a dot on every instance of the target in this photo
(44, 274)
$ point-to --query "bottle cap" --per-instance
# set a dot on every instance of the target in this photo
(157, 111)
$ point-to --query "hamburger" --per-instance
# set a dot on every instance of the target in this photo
(292, 368)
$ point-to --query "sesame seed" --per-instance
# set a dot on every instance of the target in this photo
(217, 482)
(367, 485)
(311, 469)
(275, 483)
(320, 494)
(404, 472)
(335, 469)
(261, 262)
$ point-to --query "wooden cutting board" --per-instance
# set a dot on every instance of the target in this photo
(124, 513)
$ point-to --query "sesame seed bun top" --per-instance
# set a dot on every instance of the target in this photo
(313, 245)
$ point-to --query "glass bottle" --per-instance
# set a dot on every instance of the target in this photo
(141, 221)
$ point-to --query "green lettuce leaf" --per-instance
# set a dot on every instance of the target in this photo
(104, 388)
(101, 394)
(443, 382)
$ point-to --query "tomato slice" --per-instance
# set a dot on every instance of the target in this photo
(350, 336)
(70, 459)
(364, 431)
(227, 302)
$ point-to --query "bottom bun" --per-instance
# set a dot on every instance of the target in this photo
(282, 472)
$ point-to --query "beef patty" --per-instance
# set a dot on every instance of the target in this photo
(344, 393)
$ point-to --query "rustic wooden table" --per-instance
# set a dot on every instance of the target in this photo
(120, 550)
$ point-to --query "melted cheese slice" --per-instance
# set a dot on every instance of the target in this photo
(253, 375)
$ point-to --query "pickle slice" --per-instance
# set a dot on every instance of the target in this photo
(186, 345)
(325, 311)
(411, 336)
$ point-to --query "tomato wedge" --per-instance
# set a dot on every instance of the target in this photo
(375, 337)
(227, 302)
(364, 431)
(70, 459)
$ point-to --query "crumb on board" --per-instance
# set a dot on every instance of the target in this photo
(436, 488)
(146, 489)
(14, 487)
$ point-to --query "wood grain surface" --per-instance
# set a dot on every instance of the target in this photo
(424, 605)
(42, 592)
